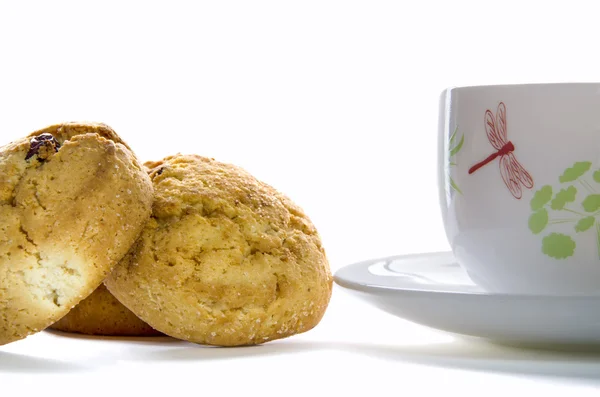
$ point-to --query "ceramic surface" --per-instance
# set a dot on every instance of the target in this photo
(519, 170)
(433, 290)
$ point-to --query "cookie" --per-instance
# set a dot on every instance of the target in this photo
(224, 260)
(102, 314)
(73, 199)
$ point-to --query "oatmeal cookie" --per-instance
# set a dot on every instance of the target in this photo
(102, 314)
(73, 199)
(224, 260)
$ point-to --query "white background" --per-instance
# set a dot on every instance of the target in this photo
(332, 102)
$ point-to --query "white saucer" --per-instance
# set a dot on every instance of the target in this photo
(433, 290)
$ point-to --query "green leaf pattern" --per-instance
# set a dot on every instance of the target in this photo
(573, 173)
(538, 221)
(563, 197)
(591, 203)
(457, 148)
(558, 245)
(541, 197)
(584, 224)
(453, 184)
(452, 152)
(575, 201)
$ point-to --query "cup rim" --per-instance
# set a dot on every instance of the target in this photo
(522, 85)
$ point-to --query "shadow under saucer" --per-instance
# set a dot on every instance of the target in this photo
(465, 354)
(473, 355)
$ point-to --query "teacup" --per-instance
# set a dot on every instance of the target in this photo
(519, 183)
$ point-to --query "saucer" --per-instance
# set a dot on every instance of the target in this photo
(433, 290)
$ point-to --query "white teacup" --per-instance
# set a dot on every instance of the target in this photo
(520, 185)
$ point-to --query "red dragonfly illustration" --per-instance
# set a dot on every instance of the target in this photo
(513, 173)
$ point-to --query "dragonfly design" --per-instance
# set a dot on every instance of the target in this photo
(513, 173)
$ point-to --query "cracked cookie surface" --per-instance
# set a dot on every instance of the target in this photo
(224, 260)
(102, 314)
(73, 199)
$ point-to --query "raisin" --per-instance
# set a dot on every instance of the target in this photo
(43, 145)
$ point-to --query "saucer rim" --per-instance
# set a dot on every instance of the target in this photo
(340, 277)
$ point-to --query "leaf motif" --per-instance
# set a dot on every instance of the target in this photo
(558, 246)
(541, 197)
(453, 136)
(584, 224)
(457, 148)
(574, 172)
(563, 197)
(597, 176)
(453, 184)
(591, 203)
(538, 221)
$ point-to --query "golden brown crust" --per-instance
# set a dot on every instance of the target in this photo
(225, 259)
(66, 131)
(68, 214)
(102, 314)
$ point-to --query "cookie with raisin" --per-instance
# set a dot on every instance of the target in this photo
(73, 199)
